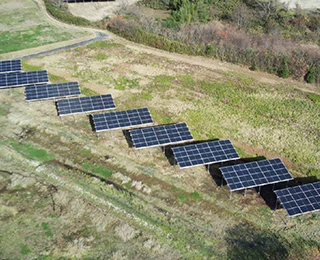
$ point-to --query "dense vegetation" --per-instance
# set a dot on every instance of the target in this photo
(60, 11)
(263, 35)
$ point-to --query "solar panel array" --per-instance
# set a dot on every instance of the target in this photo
(204, 153)
(255, 174)
(7, 66)
(160, 135)
(8, 80)
(301, 199)
(121, 119)
(85, 104)
(40, 92)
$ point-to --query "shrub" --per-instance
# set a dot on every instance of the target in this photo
(311, 75)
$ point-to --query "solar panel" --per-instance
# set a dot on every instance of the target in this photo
(10, 66)
(204, 153)
(301, 199)
(255, 174)
(121, 119)
(160, 135)
(40, 92)
(9, 80)
(85, 104)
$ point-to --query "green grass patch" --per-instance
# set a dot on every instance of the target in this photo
(103, 44)
(30, 151)
(182, 197)
(25, 250)
(4, 109)
(195, 195)
(187, 81)
(88, 92)
(128, 184)
(313, 173)
(161, 117)
(46, 228)
(29, 67)
(99, 56)
(56, 79)
(163, 82)
(146, 95)
(314, 97)
(97, 169)
(123, 82)
(31, 37)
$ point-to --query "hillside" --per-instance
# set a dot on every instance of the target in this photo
(67, 193)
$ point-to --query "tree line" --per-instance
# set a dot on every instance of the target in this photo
(265, 35)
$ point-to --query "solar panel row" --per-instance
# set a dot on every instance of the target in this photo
(204, 153)
(40, 92)
(121, 119)
(85, 104)
(8, 66)
(255, 174)
(160, 135)
(301, 199)
(8, 80)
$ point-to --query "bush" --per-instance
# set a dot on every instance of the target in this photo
(311, 75)
(284, 72)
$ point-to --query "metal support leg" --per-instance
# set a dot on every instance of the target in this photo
(221, 182)
(259, 191)
(208, 168)
(276, 204)
(230, 196)
(245, 192)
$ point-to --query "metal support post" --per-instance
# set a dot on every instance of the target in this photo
(259, 191)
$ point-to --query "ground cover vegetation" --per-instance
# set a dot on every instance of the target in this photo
(264, 35)
(23, 26)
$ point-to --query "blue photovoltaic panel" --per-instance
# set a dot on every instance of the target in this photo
(85, 104)
(255, 174)
(301, 199)
(160, 135)
(204, 153)
(40, 92)
(121, 119)
(8, 66)
(9, 80)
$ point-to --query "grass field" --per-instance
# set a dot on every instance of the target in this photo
(88, 197)
(24, 26)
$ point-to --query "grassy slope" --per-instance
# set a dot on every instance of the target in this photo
(189, 216)
(23, 26)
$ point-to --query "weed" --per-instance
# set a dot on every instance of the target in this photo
(97, 169)
(29, 67)
(25, 250)
(123, 82)
(100, 56)
(182, 197)
(187, 81)
(128, 184)
(56, 79)
(146, 95)
(195, 195)
(88, 92)
(314, 97)
(30, 151)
